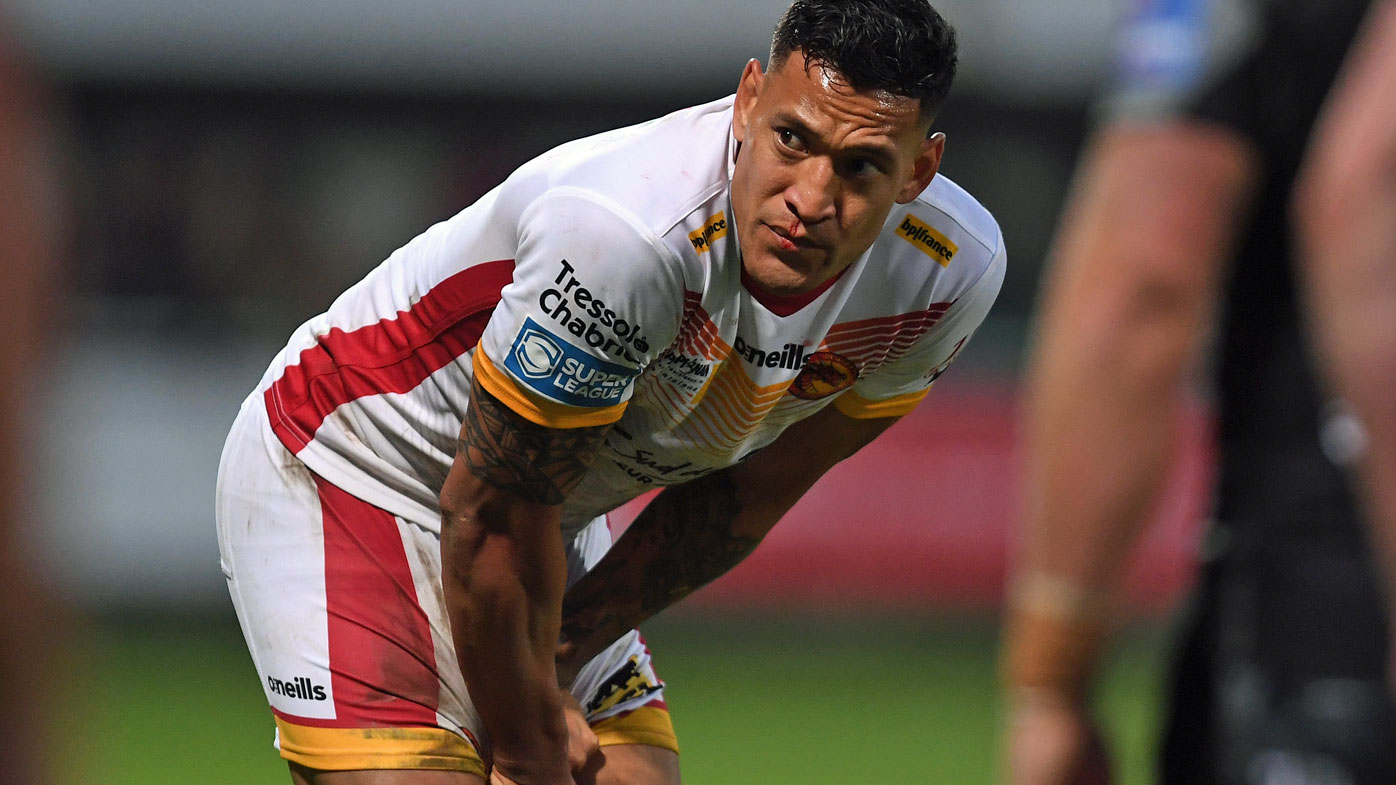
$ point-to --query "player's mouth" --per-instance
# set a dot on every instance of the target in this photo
(785, 240)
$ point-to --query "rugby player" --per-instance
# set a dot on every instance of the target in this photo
(28, 611)
(723, 302)
(1180, 220)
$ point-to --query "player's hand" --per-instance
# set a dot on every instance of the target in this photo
(582, 745)
(1053, 741)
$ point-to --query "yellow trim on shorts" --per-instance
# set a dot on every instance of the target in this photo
(537, 410)
(649, 725)
(341, 749)
(860, 408)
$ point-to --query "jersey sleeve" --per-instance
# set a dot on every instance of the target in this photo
(895, 388)
(595, 297)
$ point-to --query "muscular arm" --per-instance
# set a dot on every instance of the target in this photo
(504, 570)
(692, 533)
(1345, 210)
(1134, 274)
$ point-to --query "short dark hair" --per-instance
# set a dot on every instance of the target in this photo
(901, 46)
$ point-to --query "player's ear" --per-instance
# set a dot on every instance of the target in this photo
(924, 168)
(748, 90)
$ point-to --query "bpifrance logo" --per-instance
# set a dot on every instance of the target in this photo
(714, 228)
(825, 373)
(555, 368)
(927, 240)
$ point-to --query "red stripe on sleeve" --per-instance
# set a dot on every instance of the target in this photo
(392, 356)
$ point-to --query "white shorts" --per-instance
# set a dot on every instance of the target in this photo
(342, 608)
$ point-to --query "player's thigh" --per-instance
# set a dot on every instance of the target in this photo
(625, 700)
(340, 605)
(300, 775)
(632, 764)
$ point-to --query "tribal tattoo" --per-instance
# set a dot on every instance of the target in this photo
(537, 463)
(683, 539)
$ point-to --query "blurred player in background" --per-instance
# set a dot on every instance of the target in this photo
(1345, 211)
(1180, 218)
(26, 621)
(725, 301)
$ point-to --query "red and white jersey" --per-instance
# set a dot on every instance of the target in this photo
(602, 283)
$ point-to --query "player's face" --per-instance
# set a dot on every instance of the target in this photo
(820, 166)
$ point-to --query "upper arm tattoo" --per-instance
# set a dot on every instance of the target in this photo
(537, 463)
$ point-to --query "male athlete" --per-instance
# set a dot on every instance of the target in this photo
(1183, 219)
(725, 302)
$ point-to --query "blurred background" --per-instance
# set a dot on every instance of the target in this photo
(224, 170)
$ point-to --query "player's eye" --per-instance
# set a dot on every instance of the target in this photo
(862, 167)
(790, 140)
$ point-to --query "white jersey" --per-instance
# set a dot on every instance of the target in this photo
(602, 283)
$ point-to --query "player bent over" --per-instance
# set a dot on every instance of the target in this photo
(724, 302)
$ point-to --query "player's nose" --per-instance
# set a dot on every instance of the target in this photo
(811, 195)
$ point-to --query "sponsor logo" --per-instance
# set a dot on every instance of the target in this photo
(825, 373)
(714, 229)
(686, 372)
(645, 466)
(689, 366)
(791, 355)
(537, 353)
(299, 687)
(626, 684)
(584, 315)
(557, 369)
(929, 241)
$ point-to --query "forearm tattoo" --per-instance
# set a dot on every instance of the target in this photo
(537, 463)
(682, 540)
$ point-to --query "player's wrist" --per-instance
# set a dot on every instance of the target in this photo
(539, 760)
(528, 738)
(1051, 596)
(1054, 634)
(505, 773)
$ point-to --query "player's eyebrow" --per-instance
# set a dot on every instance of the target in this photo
(881, 154)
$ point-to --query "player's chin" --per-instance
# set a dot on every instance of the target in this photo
(788, 274)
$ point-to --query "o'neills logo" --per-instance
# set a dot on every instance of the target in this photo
(300, 687)
(932, 243)
(791, 355)
(825, 373)
(714, 229)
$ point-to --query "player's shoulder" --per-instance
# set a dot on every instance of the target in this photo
(946, 224)
(654, 172)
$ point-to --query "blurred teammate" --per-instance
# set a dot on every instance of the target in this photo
(26, 611)
(1180, 216)
(725, 301)
(1345, 209)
